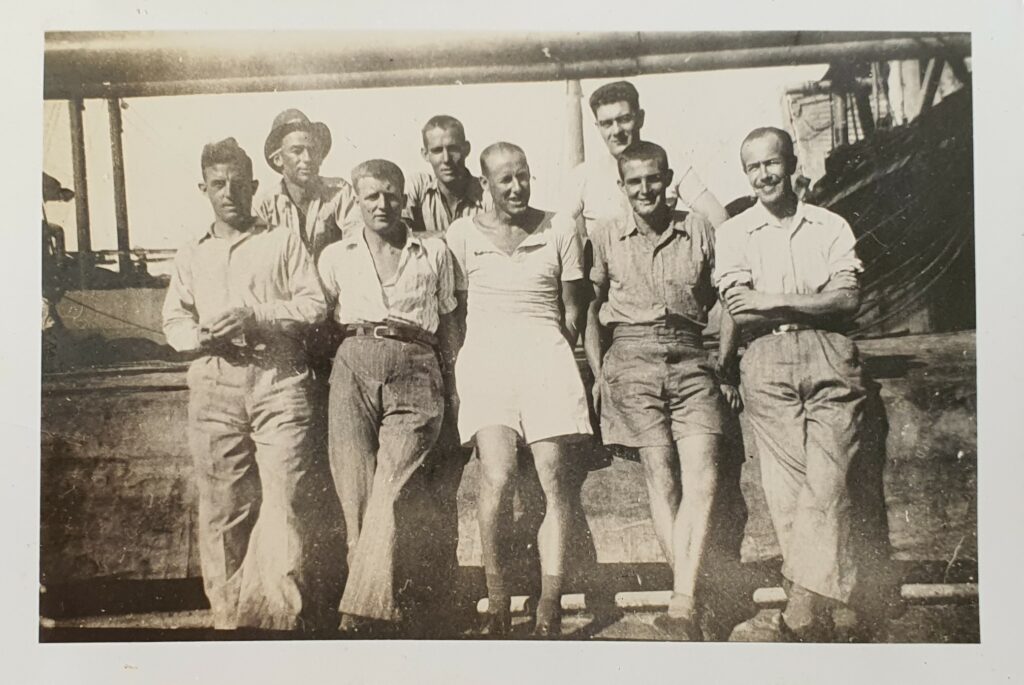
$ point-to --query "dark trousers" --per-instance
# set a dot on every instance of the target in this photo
(386, 409)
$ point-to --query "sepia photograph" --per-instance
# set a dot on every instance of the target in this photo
(649, 336)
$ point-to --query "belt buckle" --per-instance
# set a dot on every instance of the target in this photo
(380, 332)
(785, 328)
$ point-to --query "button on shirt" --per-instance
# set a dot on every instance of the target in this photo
(416, 295)
(426, 209)
(267, 270)
(817, 250)
(331, 214)
(593, 189)
(652, 280)
(525, 284)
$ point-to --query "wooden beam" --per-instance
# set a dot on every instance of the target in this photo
(75, 107)
(124, 255)
(931, 79)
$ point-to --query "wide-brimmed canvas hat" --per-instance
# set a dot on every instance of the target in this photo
(294, 120)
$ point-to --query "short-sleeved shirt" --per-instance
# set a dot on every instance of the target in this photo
(655, 282)
(332, 213)
(261, 268)
(593, 189)
(420, 291)
(817, 249)
(426, 209)
(524, 286)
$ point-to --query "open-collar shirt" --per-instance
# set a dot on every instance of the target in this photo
(655, 281)
(426, 209)
(815, 252)
(332, 213)
(419, 292)
(267, 270)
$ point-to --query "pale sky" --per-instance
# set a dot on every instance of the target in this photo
(702, 115)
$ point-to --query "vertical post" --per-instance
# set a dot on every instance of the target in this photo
(574, 123)
(840, 130)
(124, 257)
(75, 107)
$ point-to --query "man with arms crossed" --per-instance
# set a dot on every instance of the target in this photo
(655, 389)
(517, 270)
(593, 190)
(240, 297)
(393, 296)
(788, 274)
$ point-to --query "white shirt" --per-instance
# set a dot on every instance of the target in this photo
(519, 288)
(753, 249)
(593, 189)
(418, 293)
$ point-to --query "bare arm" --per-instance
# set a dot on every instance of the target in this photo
(593, 343)
(573, 297)
(750, 306)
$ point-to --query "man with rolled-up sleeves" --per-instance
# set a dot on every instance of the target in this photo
(787, 272)
(240, 297)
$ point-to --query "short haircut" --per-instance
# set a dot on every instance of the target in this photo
(764, 131)
(225, 151)
(610, 93)
(380, 169)
(643, 150)
(443, 122)
(496, 148)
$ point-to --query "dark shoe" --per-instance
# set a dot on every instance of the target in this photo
(679, 629)
(548, 628)
(496, 625)
(816, 632)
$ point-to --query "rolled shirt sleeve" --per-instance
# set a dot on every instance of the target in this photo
(598, 243)
(180, 317)
(346, 213)
(688, 186)
(731, 265)
(843, 263)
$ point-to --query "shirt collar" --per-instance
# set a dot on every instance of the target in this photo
(256, 227)
(629, 226)
(322, 191)
(761, 217)
(412, 240)
(474, 190)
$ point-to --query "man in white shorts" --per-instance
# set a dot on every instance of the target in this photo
(517, 269)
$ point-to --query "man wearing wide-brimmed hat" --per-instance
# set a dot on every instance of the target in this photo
(319, 209)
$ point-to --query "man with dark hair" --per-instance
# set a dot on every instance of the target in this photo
(787, 272)
(451, 192)
(320, 210)
(393, 298)
(593, 191)
(654, 387)
(518, 275)
(240, 297)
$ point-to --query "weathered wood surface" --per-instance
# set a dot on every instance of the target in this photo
(118, 498)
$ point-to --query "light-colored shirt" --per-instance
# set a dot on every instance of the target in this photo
(593, 189)
(651, 282)
(332, 213)
(817, 250)
(261, 268)
(519, 288)
(426, 209)
(418, 293)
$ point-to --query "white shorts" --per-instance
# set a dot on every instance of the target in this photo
(526, 380)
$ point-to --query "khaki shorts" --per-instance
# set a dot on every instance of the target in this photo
(655, 391)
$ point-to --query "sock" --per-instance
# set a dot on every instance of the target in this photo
(681, 606)
(498, 597)
(550, 604)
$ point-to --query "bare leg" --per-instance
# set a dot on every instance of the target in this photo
(496, 447)
(698, 458)
(555, 480)
(661, 474)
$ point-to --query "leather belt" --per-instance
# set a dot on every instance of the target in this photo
(789, 328)
(391, 331)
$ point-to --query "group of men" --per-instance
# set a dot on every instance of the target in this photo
(417, 316)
